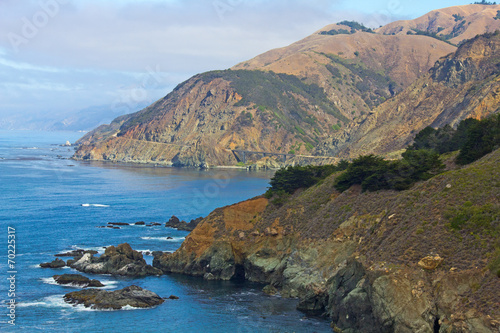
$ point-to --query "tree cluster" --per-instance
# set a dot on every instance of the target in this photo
(473, 138)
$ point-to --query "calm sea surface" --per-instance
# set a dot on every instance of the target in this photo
(55, 205)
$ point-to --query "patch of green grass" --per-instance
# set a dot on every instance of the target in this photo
(483, 219)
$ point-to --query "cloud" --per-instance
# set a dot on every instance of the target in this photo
(106, 47)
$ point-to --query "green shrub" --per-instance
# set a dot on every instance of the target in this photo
(292, 178)
(374, 173)
(484, 219)
(482, 138)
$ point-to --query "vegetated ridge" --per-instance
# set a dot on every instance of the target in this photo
(423, 259)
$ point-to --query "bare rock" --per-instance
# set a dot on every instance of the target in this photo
(77, 279)
(430, 262)
(57, 263)
(101, 299)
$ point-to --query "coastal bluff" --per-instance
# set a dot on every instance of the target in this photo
(382, 261)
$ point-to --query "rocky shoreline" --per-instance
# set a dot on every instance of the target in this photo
(121, 260)
(366, 260)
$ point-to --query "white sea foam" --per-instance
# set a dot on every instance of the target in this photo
(99, 249)
(173, 239)
(94, 205)
(57, 301)
(38, 266)
(108, 284)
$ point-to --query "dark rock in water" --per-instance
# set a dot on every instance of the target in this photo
(174, 220)
(173, 297)
(169, 237)
(101, 299)
(118, 223)
(77, 279)
(270, 290)
(140, 223)
(155, 224)
(58, 263)
(120, 260)
(175, 223)
(76, 253)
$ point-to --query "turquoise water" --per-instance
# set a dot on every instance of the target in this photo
(55, 205)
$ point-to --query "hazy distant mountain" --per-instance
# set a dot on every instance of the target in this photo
(83, 120)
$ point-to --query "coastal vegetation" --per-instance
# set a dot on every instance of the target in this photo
(421, 161)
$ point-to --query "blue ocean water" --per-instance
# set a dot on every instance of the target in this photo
(56, 204)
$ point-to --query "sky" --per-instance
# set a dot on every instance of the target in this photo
(68, 55)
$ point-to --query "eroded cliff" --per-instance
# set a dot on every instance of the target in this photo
(381, 261)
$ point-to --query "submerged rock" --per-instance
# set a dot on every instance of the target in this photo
(77, 279)
(120, 260)
(101, 299)
(57, 263)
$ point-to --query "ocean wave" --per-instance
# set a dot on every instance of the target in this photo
(38, 266)
(108, 284)
(167, 239)
(94, 205)
(57, 301)
(99, 249)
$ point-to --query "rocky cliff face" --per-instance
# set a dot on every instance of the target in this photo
(462, 85)
(373, 262)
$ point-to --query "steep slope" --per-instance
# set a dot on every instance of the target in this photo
(455, 24)
(285, 101)
(464, 84)
(381, 261)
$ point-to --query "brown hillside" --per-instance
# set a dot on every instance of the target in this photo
(462, 85)
(296, 98)
(479, 19)
(356, 256)
(402, 58)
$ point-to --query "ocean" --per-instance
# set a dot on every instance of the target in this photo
(51, 204)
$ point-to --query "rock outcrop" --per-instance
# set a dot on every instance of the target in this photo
(77, 280)
(120, 260)
(133, 296)
(175, 223)
(57, 263)
(355, 256)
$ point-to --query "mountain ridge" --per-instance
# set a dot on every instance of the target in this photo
(313, 89)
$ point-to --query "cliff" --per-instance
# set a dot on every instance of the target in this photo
(381, 261)
(462, 85)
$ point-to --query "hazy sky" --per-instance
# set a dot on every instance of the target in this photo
(63, 55)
